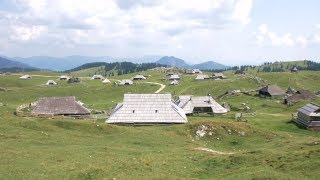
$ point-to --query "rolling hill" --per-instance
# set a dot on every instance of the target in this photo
(70, 62)
(8, 65)
(110, 69)
(180, 63)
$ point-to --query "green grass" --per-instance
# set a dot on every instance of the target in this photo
(268, 147)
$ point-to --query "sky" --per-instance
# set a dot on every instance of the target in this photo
(226, 31)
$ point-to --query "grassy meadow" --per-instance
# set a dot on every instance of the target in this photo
(267, 146)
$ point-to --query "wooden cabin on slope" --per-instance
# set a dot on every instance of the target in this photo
(309, 116)
(272, 91)
(147, 109)
(60, 106)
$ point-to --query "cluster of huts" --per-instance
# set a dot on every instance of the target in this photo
(135, 108)
(290, 96)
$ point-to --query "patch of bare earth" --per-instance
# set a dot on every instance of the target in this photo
(213, 151)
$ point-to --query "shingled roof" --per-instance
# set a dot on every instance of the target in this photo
(59, 106)
(272, 90)
(300, 95)
(202, 77)
(189, 103)
(146, 109)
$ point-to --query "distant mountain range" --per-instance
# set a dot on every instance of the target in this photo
(70, 62)
(8, 65)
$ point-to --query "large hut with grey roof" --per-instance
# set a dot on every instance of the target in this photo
(272, 91)
(147, 109)
(60, 106)
(200, 104)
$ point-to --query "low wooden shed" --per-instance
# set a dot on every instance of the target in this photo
(309, 116)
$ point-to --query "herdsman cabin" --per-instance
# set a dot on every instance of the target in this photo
(272, 91)
(97, 77)
(126, 82)
(218, 76)
(298, 96)
(202, 77)
(200, 104)
(174, 77)
(64, 77)
(139, 77)
(51, 83)
(59, 106)
(309, 116)
(25, 77)
(147, 109)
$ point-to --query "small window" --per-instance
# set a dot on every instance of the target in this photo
(133, 111)
(156, 111)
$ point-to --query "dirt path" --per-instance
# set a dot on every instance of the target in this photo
(273, 114)
(160, 89)
(213, 151)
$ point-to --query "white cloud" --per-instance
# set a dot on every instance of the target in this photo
(263, 29)
(242, 11)
(265, 37)
(116, 27)
(28, 33)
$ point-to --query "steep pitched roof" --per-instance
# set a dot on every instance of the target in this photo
(147, 108)
(59, 106)
(273, 90)
(51, 83)
(188, 103)
(106, 81)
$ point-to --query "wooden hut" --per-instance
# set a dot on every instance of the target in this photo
(174, 77)
(126, 82)
(272, 91)
(197, 71)
(106, 81)
(294, 70)
(309, 116)
(189, 71)
(139, 77)
(51, 83)
(73, 80)
(200, 104)
(147, 109)
(97, 77)
(25, 77)
(59, 106)
(298, 96)
(202, 77)
(219, 76)
(64, 78)
(174, 82)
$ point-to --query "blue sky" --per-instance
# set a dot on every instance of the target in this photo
(227, 31)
